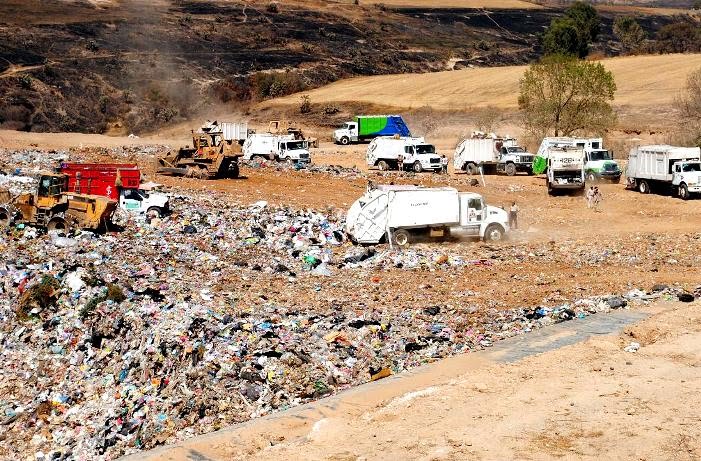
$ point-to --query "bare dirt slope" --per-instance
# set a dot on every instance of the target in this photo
(574, 403)
(643, 81)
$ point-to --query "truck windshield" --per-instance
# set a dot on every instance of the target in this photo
(346, 126)
(515, 149)
(599, 155)
(687, 167)
(425, 149)
(294, 145)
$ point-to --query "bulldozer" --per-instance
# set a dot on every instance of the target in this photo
(54, 209)
(215, 153)
(275, 127)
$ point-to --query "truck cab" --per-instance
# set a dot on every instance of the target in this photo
(686, 177)
(144, 202)
(294, 151)
(420, 157)
(514, 159)
(347, 133)
(599, 164)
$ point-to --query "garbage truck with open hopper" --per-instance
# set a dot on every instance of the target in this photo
(404, 213)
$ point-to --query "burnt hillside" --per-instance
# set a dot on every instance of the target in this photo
(137, 65)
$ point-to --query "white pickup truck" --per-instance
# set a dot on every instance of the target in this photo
(400, 214)
(276, 147)
(417, 155)
(665, 168)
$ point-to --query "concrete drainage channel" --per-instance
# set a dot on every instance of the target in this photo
(299, 421)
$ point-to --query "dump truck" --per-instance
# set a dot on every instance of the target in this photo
(53, 208)
(215, 152)
(416, 154)
(664, 168)
(118, 181)
(598, 162)
(401, 214)
(493, 155)
(276, 147)
(368, 127)
(565, 170)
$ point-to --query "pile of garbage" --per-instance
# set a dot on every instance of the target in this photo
(120, 342)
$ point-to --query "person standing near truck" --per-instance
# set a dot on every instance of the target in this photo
(513, 216)
(444, 164)
(400, 162)
(590, 197)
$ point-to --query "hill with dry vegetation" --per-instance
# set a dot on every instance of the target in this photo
(132, 66)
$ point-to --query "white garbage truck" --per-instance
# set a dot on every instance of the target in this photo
(598, 162)
(416, 154)
(565, 169)
(276, 147)
(493, 154)
(665, 168)
(401, 214)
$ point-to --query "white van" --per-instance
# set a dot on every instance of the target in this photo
(384, 152)
(276, 147)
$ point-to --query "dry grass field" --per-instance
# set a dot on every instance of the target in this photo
(643, 81)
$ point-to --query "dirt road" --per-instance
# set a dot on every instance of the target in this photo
(576, 402)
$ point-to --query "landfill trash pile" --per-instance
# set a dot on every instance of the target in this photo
(332, 170)
(225, 311)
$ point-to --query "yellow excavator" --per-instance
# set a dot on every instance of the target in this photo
(53, 208)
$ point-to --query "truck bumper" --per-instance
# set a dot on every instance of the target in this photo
(524, 167)
(610, 176)
(695, 189)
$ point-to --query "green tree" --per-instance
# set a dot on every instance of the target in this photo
(629, 33)
(690, 107)
(679, 37)
(562, 95)
(573, 33)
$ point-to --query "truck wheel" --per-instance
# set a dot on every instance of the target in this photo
(417, 167)
(345, 140)
(684, 191)
(382, 165)
(551, 191)
(58, 224)
(401, 237)
(155, 212)
(510, 169)
(494, 233)
(643, 187)
(471, 168)
(5, 216)
(591, 177)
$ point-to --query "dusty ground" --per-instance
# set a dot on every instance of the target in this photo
(576, 402)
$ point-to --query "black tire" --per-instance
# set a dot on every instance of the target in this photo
(345, 140)
(155, 211)
(494, 233)
(58, 224)
(591, 177)
(643, 187)
(234, 170)
(551, 191)
(684, 192)
(471, 168)
(289, 161)
(5, 216)
(401, 237)
(510, 169)
(530, 172)
(417, 167)
(382, 165)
